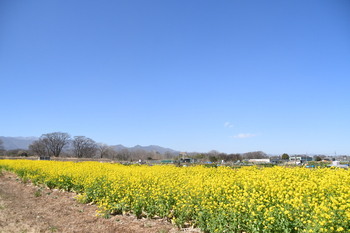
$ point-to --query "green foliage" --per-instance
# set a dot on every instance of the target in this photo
(285, 156)
(53, 229)
(37, 193)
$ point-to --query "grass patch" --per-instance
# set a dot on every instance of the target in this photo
(38, 193)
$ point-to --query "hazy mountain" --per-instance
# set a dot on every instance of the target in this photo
(151, 148)
(119, 147)
(11, 143)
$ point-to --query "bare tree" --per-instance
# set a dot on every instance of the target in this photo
(234, 157)
(214, 153)
(138, 154)
(168, 155)
(255, 155)
(84, 147)
(103, 149)
(55, 142)
(39, 147)
(122, 155)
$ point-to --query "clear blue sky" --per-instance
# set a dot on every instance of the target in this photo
(197, 75)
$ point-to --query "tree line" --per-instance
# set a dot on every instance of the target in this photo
(60, 144)
(216, 156)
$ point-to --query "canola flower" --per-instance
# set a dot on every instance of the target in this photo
(249, 199)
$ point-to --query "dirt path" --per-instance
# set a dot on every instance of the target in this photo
(26, 208)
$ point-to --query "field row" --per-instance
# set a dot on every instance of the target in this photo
(223, 199)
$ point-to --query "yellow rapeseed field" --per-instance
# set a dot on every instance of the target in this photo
(248, 199)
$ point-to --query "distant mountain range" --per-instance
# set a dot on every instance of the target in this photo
(12, 143)
(151, 148)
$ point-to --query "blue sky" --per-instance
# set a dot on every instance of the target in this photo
(234, 76)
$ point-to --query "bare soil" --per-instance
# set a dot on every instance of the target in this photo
(28, 208)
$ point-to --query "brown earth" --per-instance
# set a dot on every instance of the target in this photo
(28, 208)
